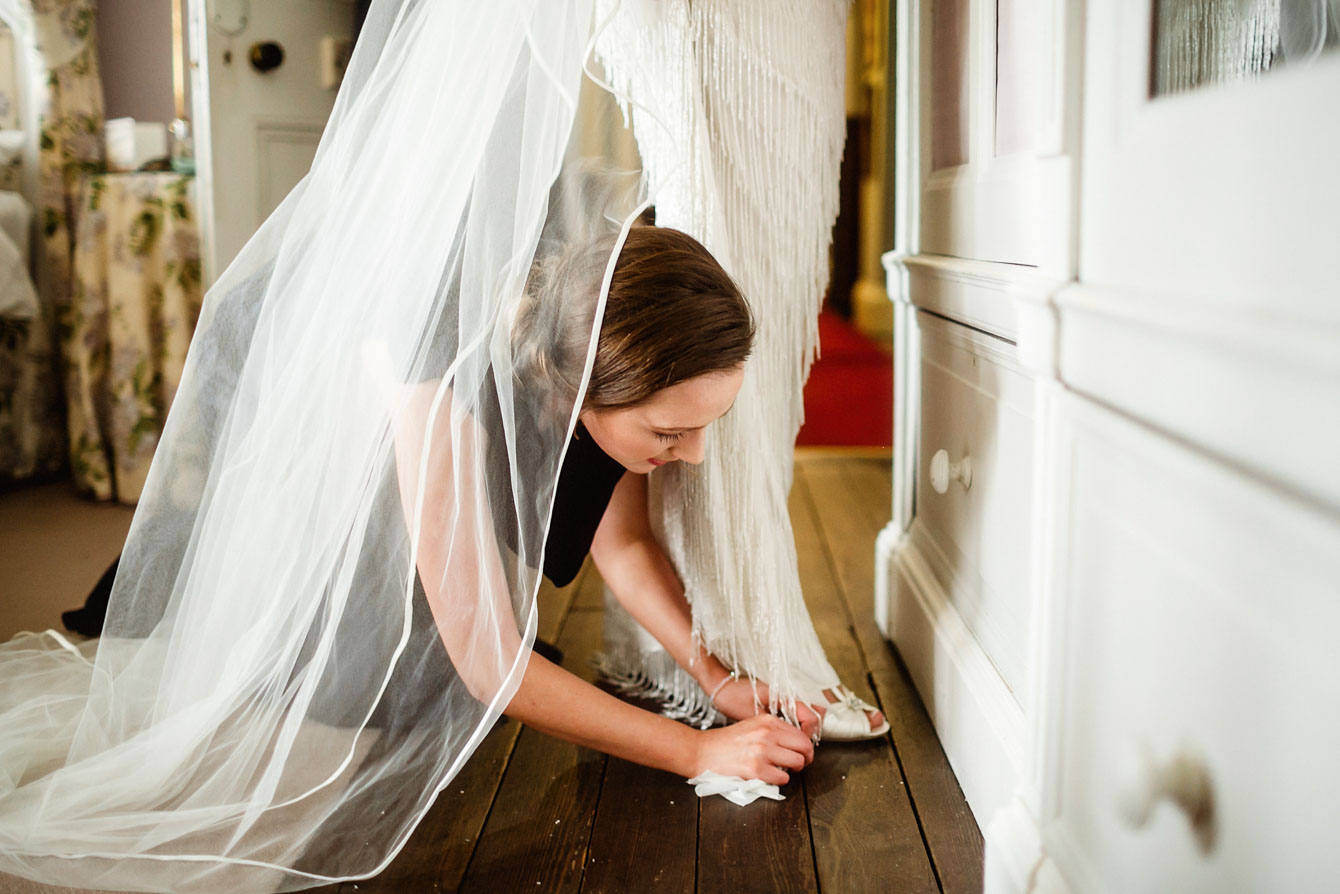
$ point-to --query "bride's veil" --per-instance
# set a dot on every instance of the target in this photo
(384, 381)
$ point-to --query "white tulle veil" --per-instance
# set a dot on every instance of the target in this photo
(385, 380)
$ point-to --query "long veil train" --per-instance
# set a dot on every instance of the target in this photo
(278, 696)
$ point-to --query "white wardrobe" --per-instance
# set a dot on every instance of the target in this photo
(1113, 568)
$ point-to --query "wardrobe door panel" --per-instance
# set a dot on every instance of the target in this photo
(1210, 177)
(974, 484)
(949, 95)
(1208, 301)
(995, 130)
(1199, 671)
(1023, 103)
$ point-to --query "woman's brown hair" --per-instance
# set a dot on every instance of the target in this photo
(672, 314)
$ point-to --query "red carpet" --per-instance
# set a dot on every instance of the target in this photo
(849, 396)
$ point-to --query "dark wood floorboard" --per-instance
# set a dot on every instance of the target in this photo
(866, 835)
(763, 848)
(851, 501)
(823, 591)
(530, 813)
(849, 530)
(646, 833)
(537, 834)
(438, 851)
(953, 837)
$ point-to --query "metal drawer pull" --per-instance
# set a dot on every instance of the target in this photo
(943, 471)
(1183, 780)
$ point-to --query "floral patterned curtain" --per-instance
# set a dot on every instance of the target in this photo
(72, 127)
(72, 147)
(120, 283)
(32, 436)
(136, 298)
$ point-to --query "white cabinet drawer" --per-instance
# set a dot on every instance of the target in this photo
(1200, 632)
(977, 405)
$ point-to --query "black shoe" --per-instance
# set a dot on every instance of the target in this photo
(88, 621)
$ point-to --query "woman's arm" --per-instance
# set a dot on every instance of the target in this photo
(645, 583)
(464, 583)
(467, 592)
(641, 577)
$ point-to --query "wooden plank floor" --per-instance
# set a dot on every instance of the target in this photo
(532, 813)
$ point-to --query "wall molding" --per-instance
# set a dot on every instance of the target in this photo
(1292, 341)
(890, 539)
(1262, 393)
(1009, 301)
(1015, 854)
(271, 133)
(978, 720)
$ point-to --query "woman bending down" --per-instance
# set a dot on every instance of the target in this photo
(668, 362)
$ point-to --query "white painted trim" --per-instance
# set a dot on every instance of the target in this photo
(271, 132)
(976, 341)
(1014, 851)
(896, 276)
(1309, 344)
(1058, 33)
(906, 392)
(1016, 208)
(886, 544)
(906, 146)
(984, 295)
(1011, 279)
(967, 592)
(1038, 338)
(203, 143)
(980, 724)
(1048, 880)
(979, 721)
(1260, 392)
(1016, 211)
(1051, 471)
(1223, 192)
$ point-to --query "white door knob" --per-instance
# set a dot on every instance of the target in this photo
(943, 471)
(1183, 780)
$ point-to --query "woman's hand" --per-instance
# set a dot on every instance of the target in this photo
(762, 747)
(736, 700)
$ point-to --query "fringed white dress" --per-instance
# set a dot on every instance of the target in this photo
(738, 110)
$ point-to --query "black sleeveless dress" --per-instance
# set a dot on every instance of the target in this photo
(586, 483)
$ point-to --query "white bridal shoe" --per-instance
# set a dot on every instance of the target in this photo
(846, 720)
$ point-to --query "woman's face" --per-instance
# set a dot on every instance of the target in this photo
(670, 426)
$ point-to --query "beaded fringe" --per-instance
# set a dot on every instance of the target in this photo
(677, 695)
(738, 110)
(1212, 42)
